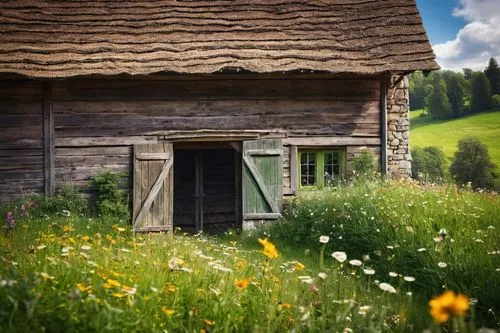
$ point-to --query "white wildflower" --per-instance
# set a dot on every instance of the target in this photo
(387, 287)
(442, 264)
(324, 239)
(339, 256)
(355, 262)
(409, 278)
(393, 274)
(369, 271)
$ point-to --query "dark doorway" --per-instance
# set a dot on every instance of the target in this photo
(206, 189)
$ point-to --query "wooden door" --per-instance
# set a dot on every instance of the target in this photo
(262, 179)
(153, 187)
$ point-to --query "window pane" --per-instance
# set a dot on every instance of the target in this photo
(307, 168)
(331, 167)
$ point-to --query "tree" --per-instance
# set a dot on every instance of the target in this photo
(481, 92)
(492, 72)
(456, 93)
(439, 105)
(472, 163)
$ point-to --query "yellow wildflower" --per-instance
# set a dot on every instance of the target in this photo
(83, 288)
(209, 322)
(241, 283)
(85, 238)
(448, 304)
(170, 287)
(298, 266)
(285, 306)
(269, 248)
(118, 295)
(46, 276)
(167, 311)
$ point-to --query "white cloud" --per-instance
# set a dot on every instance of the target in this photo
(477, 41)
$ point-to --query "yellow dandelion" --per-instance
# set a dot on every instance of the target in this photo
(209, 322)
(167, 311)
(448, 304)
(170, 287)
(285, 306)
(241, 283)
(269, 248)
(118, 295)
(85, 238)
(298, 266)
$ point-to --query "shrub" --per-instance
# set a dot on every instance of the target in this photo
(496, 100)
(364, 164)
(472, 164)
(112, 200)
(428, 164)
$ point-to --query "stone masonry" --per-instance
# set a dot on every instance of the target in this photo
(398, 130)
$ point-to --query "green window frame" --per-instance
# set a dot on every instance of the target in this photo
(320, 168)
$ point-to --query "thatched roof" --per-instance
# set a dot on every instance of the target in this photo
(48, 39)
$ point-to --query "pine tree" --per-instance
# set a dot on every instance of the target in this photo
(492, 72)
(439, 105)
(481, 92)
(455, 84)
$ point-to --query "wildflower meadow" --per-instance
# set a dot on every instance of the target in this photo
(371, 257)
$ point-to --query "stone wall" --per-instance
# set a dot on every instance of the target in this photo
(398, 129)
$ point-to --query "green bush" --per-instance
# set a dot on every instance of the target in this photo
(112, 200)
(428, 164)
(364, 165)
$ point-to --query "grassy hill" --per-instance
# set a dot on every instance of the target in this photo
(445, 134)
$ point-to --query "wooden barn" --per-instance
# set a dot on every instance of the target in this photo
(217, 110)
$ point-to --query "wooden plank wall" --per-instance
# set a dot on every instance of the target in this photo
(96, 120)
(21, 139)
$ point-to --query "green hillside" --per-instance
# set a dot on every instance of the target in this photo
(445, 134)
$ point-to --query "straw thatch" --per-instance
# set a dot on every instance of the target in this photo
(50, 39)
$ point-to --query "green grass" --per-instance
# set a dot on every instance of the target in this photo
(73, 273)
(445, 134)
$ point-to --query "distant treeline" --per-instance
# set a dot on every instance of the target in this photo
(448, 94)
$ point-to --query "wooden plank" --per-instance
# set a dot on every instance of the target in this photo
(266, 216)
(290, 89)
(263, 152)
(94, 151)
(331, 141)
(104, 141)
(48, 140)
(294, 169)
(152, 156)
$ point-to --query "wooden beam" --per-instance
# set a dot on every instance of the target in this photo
(294, 166)
(332, 141)
(48, 140)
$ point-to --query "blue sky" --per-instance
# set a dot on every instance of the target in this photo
(463, 33)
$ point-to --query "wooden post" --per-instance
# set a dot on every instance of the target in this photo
(48, 140)
(294, 170)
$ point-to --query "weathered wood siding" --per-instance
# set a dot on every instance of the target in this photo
(98, 119)
(111, 114)
(21, 139)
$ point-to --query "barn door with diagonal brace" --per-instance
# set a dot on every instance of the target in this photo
(153, 187)
(262, 179)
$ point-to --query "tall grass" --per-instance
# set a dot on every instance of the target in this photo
(68, 272)
(397, 225)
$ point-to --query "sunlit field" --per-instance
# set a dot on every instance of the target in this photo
(364, 258)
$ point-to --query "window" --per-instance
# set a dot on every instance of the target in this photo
(321, 168)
